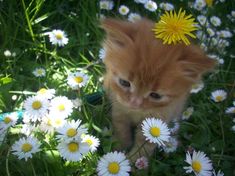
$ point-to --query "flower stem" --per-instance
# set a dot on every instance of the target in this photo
(7, 165)
(34, 173)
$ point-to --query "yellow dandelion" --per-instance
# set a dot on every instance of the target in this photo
(174, 27)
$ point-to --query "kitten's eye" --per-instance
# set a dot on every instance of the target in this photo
(155, 96)
(124, 83)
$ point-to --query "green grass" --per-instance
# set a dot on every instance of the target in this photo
(23, 25)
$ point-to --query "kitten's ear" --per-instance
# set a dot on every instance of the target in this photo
(118, 32)
(194, 63)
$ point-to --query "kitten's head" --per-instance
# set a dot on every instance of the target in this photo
(142, 72)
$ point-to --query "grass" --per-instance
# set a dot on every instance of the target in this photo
(23, 25)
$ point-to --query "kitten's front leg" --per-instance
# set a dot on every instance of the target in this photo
(141, 147)
(122, 129)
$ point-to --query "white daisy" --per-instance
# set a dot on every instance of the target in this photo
(77, 103)
(46, 93)
(106, 4)
(197, 87)
(113, 164)
(199, 4)
(56, 120)
(133, 17)
(202, 19)
(61, 106)
(187, 113)
(217, 58)
(102, 54)
(199, 163)
(210, 32)
(39, 72)
(71, 130)
(151, 6)
(174, 126)
(46, 125)
(214, 41)
(58, 37)
(9, 119)
(233, 13)
(218, 95)
(28, 129)
(156, 131)
(171, 145)
(77, 80)
(215, 21)
(73, 150)
(224, 34)
(223, 43)
(7, 53)
(233, 128)
(36, 108)
(92, 141)
(141, 163)
(25, 147)
(141, 1)
(219, 173)
(123, 10)
(166, 6)
(230, 110)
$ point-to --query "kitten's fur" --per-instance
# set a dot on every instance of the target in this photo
(135, 55)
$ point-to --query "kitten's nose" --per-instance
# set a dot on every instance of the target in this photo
(136, 101)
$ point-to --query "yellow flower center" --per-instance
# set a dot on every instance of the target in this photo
(123, 10)
(36, 105)
(78, 79)
(89, 142)
(155, 131)
(59, 36)
(61, 107)
(219, 98)
(196, 165)
(42, 91)
(71, 132)
(186, 113)
(113, 168)
(73, 147)
(104, 6)
(39, 72)
(7, 120)
(49, 122)
(26, 147)
(195, 86)
(150, 6)
(209, 2)
(58, 122)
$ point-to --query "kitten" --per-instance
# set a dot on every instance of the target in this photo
(145, 78)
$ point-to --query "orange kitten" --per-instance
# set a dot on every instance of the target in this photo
(145, 78)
